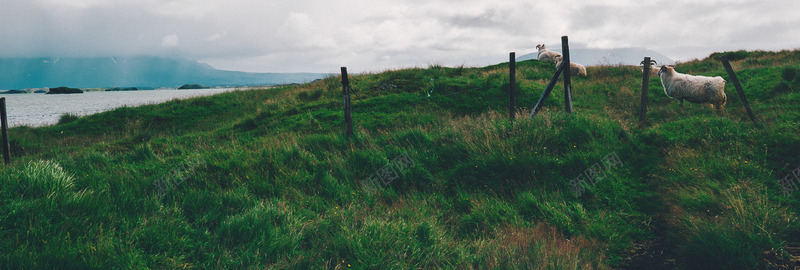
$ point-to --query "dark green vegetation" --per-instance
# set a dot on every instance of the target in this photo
(193, 86)
(265, 178)
(14, 92)
(122, 89)
(64, 90)
(67, 118)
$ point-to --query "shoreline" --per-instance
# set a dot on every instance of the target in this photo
(38, 110)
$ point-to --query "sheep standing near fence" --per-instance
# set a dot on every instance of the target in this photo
(696, 89)
(653, 67)
(575, 69)
(546, 55)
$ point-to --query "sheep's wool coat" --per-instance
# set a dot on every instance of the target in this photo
(697, 89)
(575, 69)
(548, 56)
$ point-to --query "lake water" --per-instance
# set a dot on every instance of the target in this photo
(42, 109)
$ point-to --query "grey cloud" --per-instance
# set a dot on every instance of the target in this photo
(255, 35)
(591, 17)
(128, 29)
(489, 18)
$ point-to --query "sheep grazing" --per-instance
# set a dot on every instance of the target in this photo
(546, 55)
(696, 89)
(575, 68)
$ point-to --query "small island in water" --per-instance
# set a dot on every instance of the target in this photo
(64, 90)
(14, 92)
(123, 89)
(193, 86)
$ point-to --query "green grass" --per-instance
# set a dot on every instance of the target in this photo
(266, 178)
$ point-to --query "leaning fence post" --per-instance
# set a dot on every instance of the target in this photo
(512, 88)
(4, 122)
(567, 83)
(348, 117)
(546, 92)
(645, 85)
(738, 86)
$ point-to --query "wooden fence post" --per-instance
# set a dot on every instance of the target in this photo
(4, 123)
(348, 117)
(546, 92)
(512, 88)
(567, 83)
(645, 86)
(738, 86)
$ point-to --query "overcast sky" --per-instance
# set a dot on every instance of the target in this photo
(374, 35)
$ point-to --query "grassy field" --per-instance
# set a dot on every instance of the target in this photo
(266, 178)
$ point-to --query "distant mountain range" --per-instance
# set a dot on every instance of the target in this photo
(597, 57)
(139, 71)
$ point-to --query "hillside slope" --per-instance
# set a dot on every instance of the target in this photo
(199, 184)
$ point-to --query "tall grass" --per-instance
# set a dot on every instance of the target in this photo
(281, 185)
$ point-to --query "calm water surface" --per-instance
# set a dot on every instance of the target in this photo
(41, 109)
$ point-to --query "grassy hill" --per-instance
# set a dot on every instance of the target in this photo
(266, 178)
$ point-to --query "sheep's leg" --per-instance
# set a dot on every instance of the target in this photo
(680, 101)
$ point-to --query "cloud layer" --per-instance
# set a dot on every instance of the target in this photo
(321, 36)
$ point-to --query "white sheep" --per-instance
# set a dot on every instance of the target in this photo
(546, 55)
(575, 68)
(696, 89)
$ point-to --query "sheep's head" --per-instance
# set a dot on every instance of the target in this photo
(668, 69)
(558, 59)
(540, 47)
(653, 67)
(652, 62)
